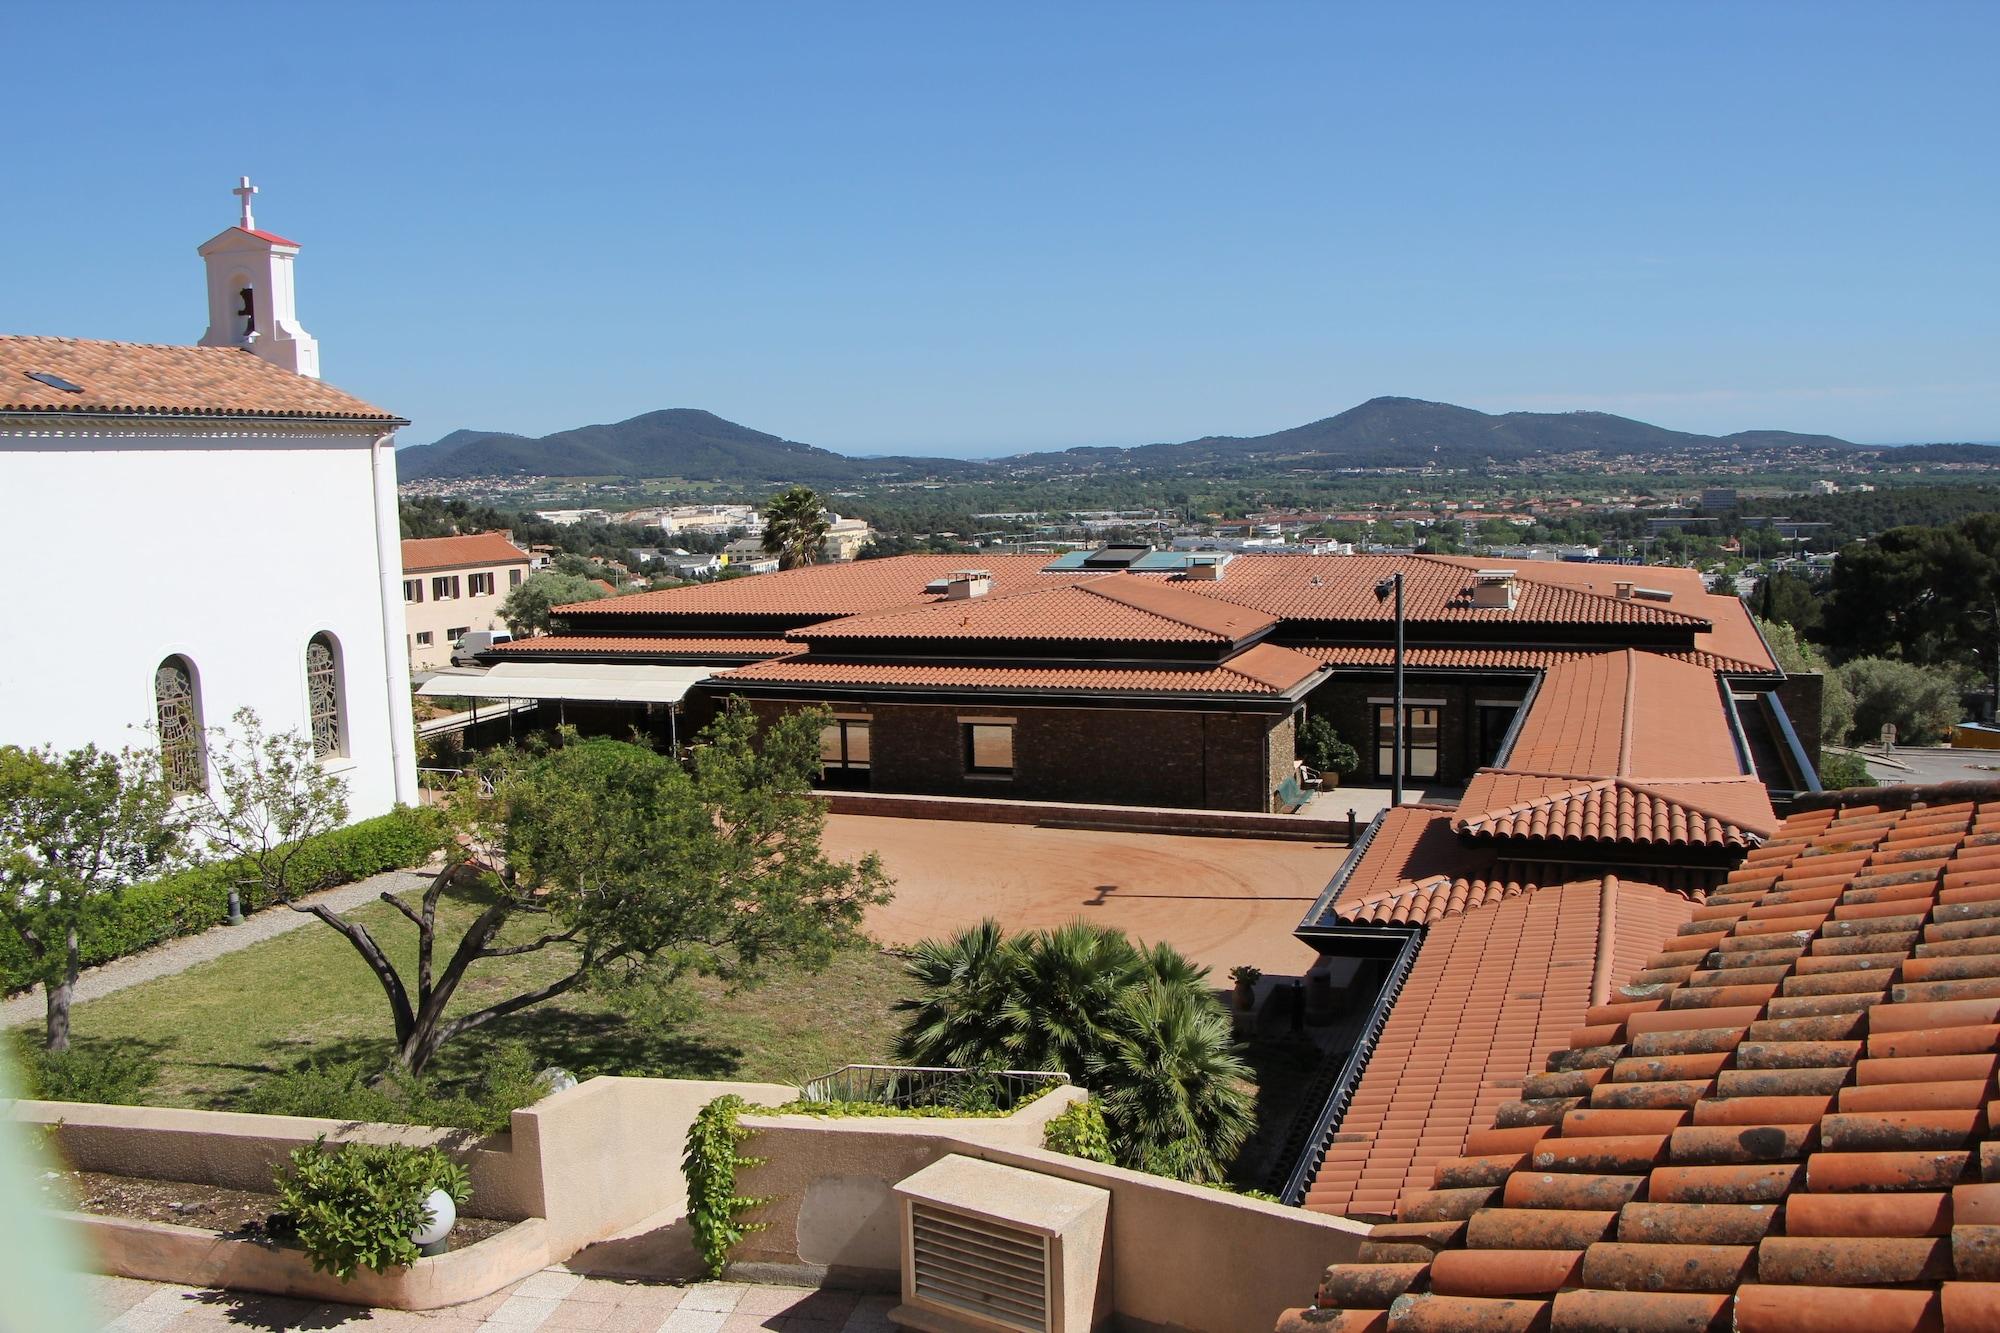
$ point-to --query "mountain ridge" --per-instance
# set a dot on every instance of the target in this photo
(1385, 431)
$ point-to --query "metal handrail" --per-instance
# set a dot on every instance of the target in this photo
(915, 1086)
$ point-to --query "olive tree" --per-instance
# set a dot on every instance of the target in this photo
(633, 869)
(75, 828)
(268, 794)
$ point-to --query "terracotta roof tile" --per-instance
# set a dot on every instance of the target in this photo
(424, 554)
(1838, 1169)
(1619, 810)
(1262, 669)
(157, 380)
(1110, 607)
(1502, 657)
(648, 645)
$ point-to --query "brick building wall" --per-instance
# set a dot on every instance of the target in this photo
(1348, 701)
(1119, 756)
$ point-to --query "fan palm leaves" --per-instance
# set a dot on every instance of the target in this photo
(955, 1017)
(795, 527)
(1137, 1026)
(1176, 1096)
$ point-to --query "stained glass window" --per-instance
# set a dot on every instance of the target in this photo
(177, 712)
(323, 694)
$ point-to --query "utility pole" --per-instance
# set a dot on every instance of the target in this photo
(1394, 585)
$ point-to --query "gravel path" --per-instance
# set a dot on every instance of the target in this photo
(179, 955)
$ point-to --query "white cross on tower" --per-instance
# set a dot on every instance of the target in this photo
(243, 192)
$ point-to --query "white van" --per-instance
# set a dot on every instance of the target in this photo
(465, 652)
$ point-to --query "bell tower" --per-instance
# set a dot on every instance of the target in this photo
(251, 303)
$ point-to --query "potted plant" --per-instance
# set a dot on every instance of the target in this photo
(1246, 978)
(1322, 749)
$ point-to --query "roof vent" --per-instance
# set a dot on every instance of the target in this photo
(1207, 568)
(1653, 594)
(1116, 557)
(963, 583)
(1494, 589)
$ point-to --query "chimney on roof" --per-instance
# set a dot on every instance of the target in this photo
(1207, 568)
(1494, 589)
(963, 583)
(1623, 588)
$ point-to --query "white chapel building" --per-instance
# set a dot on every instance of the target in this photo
(271, 571)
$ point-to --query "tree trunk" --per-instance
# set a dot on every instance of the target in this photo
(60, 994)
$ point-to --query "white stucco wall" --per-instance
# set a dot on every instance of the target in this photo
(229, 547)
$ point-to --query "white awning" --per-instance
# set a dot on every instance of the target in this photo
(584, 682)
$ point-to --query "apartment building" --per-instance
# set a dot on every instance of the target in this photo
(455, 584)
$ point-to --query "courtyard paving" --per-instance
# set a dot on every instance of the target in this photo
(1221, 901)
(554, 1301)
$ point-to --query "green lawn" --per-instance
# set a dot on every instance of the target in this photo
(219, 1027)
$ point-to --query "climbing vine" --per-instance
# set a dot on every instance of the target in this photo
(715, 1209)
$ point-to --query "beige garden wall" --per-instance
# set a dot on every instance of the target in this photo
(1179, 1257)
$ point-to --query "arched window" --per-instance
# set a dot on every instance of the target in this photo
(177, 713)
(323, 696)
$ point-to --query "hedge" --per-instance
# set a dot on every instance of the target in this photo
(154, 911)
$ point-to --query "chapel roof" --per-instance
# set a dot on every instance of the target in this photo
(152, 379)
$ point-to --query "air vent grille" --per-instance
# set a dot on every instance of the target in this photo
(986, 1269)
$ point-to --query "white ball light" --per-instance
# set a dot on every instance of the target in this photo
(443, 1214)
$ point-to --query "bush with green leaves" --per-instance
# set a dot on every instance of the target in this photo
(153, 911)
(1845, 770)
(113, 1076)
(1139, 1027)
(1321, 746)
(1920, 702)
(357, 1205)
(352, 1090)
(1080, 1132)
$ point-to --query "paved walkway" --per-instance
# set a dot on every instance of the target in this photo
(553, 1300)
(179, 955)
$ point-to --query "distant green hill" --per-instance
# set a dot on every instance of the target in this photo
(1382, 432)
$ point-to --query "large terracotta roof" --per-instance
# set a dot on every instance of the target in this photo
(1120, 608)
(1262, 669)
(149, 379)
(1627, 713)
(647, 645)
(1503, 657)
(1782, 1120)
(1289, 587)
(1493, 991)
(423, 554)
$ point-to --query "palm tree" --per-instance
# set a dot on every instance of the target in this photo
(1176, 1095)
(795, 527)
(955, 1018)
(1066, 984)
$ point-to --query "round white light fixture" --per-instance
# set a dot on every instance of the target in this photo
(443, 1215)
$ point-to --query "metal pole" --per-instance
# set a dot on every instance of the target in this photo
(1396, 786)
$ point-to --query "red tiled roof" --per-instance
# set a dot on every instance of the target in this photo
(1123, 608)
(423, 554)
(1784, 1120)
(270, 236)
(1290, 587)
(649, 645)
(156, 380)
(1263, 668)
(1501, 657)
(1492, 993)
(1627, 713)
(1618, 810)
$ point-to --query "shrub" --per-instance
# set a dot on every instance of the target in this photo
(116, 1076)
(1922, 702)
(349, 1091)
(154, 911)
(1844, 770)
(1322, 748)
(356, 1206)
(1080, 1132)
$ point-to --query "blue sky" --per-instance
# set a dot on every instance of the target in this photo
(980, 229)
